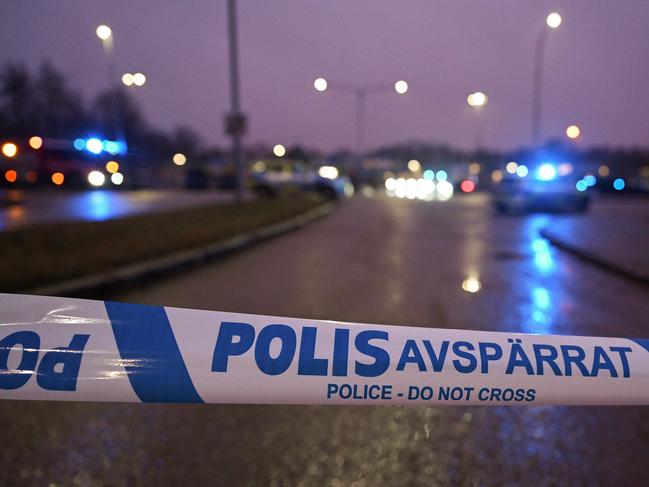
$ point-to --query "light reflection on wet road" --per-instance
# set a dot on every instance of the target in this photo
(375, 260)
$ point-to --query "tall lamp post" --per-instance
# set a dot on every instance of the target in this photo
(552, 21)
(235, 121)
(477, 101)
(360, 94)
(105, 35)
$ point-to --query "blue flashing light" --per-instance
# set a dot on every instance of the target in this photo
(590, 180)
(79, 144)
(547, 172)
(94, 145)
(581, 185)
(522, 171)
(441, 175)
(619, 184)
(111, 146)
(429, 174)
(541, 297)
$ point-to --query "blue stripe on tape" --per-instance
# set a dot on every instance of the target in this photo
(149, 349)
(643, 342)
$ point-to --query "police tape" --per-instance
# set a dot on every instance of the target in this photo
(82, 350)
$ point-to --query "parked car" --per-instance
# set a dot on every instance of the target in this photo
(271, 179)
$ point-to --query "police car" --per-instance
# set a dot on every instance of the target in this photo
(541, 188)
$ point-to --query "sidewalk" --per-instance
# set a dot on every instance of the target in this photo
(614, 236)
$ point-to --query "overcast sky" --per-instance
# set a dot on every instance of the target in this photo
(597, 64)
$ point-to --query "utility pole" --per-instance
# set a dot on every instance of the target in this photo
(235, 121)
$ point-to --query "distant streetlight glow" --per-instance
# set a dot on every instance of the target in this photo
(279, 150)
(573, 132)
(104, 32)
(477, 99)
(35, 142)
(130, 79)
(553, 20)
(401, 87)
(179, 159)
(320, 84)
(603, 170)
(9, 149)
(139, 79)
(521, 171)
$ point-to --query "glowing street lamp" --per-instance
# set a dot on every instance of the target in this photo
(552, 21)
(401, 87)
(104, 32)
(279, 150)
(320, 84)
(573, 132)
(360, 93)
(130, 79)
(139, 79)
(127, 79)
(477, 100)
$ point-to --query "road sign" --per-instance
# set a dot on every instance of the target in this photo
(236, 124)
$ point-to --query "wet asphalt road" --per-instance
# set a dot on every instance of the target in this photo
(375, 260)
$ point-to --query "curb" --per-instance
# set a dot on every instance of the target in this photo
(154, 267)
(594, 259)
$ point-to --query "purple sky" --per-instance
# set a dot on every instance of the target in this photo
(597, 64)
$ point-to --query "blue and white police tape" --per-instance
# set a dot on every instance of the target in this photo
(82, 350)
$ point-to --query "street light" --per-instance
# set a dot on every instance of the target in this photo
(552, 21)
(137, 79)
(360, 93)
(320, 84)
(401, 87)
(477, 101)
(573, 132)
(104, 32)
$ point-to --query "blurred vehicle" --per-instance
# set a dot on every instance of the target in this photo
(273, 178)
(541, 189)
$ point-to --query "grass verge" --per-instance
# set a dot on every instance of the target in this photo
(44, 254)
